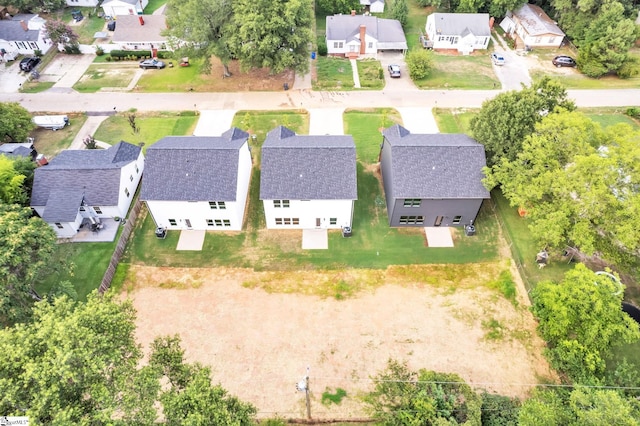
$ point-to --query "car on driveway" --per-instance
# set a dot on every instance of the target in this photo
(27, 64)
(497, 58)
(394, 71)
(563, 61)
(152, 63)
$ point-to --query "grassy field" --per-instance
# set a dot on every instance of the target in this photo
(610, 116)
(365, 127)
(153, 127)
(50, 143)
(98, 76)
(416, 23)
(333, 74)
(370, 74)
(454, 120)
(90, 25)
(153, 5)
(472, 72)
(36, 86)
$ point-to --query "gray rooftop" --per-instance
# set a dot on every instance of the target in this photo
(385, 31)
(131, 2)
(13, 31)
(435, 165)
(63, 205)
(193, 168)
(536, 22)
(128, 28)
(459, 23)
(16, 149)
(297, 167)
(96, 173)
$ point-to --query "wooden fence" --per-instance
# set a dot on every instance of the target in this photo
(119, 250)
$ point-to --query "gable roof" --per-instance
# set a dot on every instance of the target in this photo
(535, 21)
(461, 23)
(388, 32)
(193, 168)
(95, 173)
(17, 149)
(63, 205)
(108, 2)
(435, 165)
(12, 30)
(297, 167)
(128, 28)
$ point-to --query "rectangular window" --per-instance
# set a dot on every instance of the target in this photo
(213, 205)
(226, 222)
(137, 169)
(278, 221)
(218, 222)
(285, 204)
(457, 220)
(341, 45)
(411, 220)
(370, 45)
(33, 45)
(277, 204)
(281, 204)
(217, 205)
(222, 205)
(552, 40)
(296, 221)
(131, 178)
(81, 208)
(287, 221)
(126, 191)
(412, 202)
(59, 225)
(333, 221)
(209, 222)
(172, 222)
(97, 210)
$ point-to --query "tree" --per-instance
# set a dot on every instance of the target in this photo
(581, 319)
(271, 34)
(500, 7)
(405, 397)
(331, 7)
(15, 122)
(61, 33)
(420, 63)
(12, 183)
(27, 245)
(499, 410)
(400, 12)
(504, 121)
(38, 6)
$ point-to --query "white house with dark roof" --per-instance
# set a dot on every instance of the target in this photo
(198, 182)
(115, 8)
(140, 32)
(86, 184)
(308, 182)
(431, 179)
(361, 35)
(464, 32)
(82, 3)
(23, 34)
(373, 6)
(533, 27)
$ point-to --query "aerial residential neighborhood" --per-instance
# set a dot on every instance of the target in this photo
(398, 212)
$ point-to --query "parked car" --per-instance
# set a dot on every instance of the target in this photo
(152, 63)
(27, 64)
(394, 71)
(497, 58)
(563, 61)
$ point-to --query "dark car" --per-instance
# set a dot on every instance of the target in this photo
(27, 64)
(394, 71)
(563, 61)
(152, 63)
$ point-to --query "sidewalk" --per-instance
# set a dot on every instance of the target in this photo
(88, 129)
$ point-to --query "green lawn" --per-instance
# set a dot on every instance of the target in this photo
(365, 127)
(609, 117)
(90, 25)
(454, 120)
(370, 74)
(35, 86)
(153, 5)
(50, 143)
(176, 79)
(472, 72)
(152, 127)
(98, 76)
(416, 23)
(333, 74)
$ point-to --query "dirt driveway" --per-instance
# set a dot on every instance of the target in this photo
(259, 343)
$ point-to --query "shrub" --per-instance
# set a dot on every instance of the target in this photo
(630, 68)
(37, 52)
(99, 51)
(420, 63)
(633, 112)
(108, 58)
(322, 48)
(72, 49)
(498, 410)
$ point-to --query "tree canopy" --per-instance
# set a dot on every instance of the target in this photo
(37, 6)
(15, 122)
(12, 181)
(331, 7)
(581, 319)
(504, 121)
(60, 33)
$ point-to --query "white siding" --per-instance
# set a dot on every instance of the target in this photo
(331, 50)
(69, 229)
(196, 213)
(82, 3)
(307, 213)
(244, 178)
(124, 201)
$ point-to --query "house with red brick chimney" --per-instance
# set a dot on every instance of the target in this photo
(357, 36)
(142, 32)
(22, 34)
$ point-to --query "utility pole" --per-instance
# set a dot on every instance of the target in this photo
(307, 395)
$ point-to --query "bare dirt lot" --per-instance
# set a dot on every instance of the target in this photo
(259, 343)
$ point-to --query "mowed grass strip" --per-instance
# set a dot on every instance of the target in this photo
(333, 74)
(370, 74)
(473, 72)
(366, 126)
(99, 76)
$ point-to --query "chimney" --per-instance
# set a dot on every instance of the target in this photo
(24, 25)
(353, 12)
(141, 20)
(363, 36)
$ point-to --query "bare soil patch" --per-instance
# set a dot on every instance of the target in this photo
(254, 80)
(259, 331)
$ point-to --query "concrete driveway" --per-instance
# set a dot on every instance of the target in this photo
(418, 120)
(514, 73)
(326, 121)
(395, 84)
(66, 70)
(214, 122)
(11, 78)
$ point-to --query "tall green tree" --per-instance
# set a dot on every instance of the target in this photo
(420, 63)
(27, 245)
(38, 6)
(272, 34)
(504, 121)
(400, 12)
(12, 189)
(15, 122)
(331, 7)
(581, 319)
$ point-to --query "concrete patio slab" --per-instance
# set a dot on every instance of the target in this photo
(105, 235)
(438, 236)
(315, 239)
(191, 240)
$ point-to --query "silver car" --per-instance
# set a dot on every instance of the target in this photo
(151, 63)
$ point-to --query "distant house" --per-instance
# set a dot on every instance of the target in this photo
(431, 179)
(360, 35)
(82, 3)
(140, 32)
(464, 32)
(373, 6)
(533, 27)
(25, 150)
(22, 35)
(198, 182)
(86, 184)
(308, 182)
(124, 7)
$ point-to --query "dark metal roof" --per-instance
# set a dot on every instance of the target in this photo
(193, 168)
(435, 165)
(297, 167)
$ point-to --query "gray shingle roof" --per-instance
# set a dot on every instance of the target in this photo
(435, 165)
(63, 205)
(193, 168)
(297, 167)
(96, 173)
(13, 31)
(458, 23)
(535, 21)
(131, 2)
(16, 149)
(128, 28)
(387, 32)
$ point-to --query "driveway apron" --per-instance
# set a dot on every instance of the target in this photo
(419, 120)
(326, 121)
(214, 122)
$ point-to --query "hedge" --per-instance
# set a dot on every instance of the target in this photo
(120, 54)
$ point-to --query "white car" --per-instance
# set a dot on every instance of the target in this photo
(497, 58)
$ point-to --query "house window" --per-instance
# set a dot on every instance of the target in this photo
(33, 45)
(21, 45)
(218, 222)
(81, 208)
(333, 221)
(411, 220)
(209, 222)
(552, 40)
(226, 222)
(172, 222)
(412, 202)
(287, 221)
(137, 169)
(278, 221)
(370, 45)
(131, 178)
(97, 210)
(338, 45)
(538, 40)
(457, 220)
(59, 225)
(296, 221)
(126, 191)
(217, 205)
(281, 204)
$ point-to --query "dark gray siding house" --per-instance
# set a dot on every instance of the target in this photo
(431, 179)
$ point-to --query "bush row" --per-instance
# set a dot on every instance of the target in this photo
(135, 54)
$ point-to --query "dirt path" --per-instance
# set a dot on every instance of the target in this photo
(259, 344)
